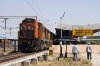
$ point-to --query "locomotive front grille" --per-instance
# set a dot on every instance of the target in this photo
(29, 33)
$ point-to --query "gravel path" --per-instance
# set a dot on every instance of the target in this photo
(95, 58)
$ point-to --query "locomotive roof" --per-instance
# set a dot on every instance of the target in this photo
(28, 18)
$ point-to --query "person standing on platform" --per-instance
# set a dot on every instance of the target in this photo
(75, 52)
(89, 51)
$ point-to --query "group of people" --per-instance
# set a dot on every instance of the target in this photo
(75, 52)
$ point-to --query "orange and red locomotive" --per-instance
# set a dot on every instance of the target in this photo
(33, 36)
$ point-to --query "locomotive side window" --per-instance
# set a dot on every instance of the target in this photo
(40, 27)
(43, 29)
(20, 26)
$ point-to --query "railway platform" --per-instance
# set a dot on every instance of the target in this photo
(27, 60)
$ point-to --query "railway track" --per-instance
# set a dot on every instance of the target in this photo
(13, 56)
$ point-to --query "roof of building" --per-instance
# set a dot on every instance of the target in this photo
(95, 27)
(70, 27)
(5, 37)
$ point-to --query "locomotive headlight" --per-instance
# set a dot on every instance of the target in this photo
(29, 27)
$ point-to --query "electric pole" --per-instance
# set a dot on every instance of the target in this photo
(10, 32)
(5, 34)
(61, 35)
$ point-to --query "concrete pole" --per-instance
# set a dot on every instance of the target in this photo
(61, 35)
(98, 36)
(5, 34)
(61, 41)
(10, 32)
(14, 45)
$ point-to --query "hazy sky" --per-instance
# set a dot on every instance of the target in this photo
(77, 12)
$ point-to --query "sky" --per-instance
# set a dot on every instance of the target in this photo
(77, 12)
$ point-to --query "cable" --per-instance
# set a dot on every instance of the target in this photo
(39, 9)
(32, 7)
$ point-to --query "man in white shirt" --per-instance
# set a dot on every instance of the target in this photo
(89, 51)
(75, 52)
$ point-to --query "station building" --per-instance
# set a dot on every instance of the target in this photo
(67, 29)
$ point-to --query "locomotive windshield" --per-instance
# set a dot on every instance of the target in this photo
(28, 20)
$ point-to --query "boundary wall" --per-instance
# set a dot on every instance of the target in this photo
(82, 48)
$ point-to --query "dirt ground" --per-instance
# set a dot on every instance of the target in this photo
(95, 58)
(53, 61)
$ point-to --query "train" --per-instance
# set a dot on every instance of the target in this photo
(33, 36)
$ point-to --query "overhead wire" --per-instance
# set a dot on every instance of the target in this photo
(32, 8)
(39, 9)
(41, 13)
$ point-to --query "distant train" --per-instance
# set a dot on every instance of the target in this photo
(33, 36)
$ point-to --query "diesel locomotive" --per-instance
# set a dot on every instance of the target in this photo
(33, 36)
